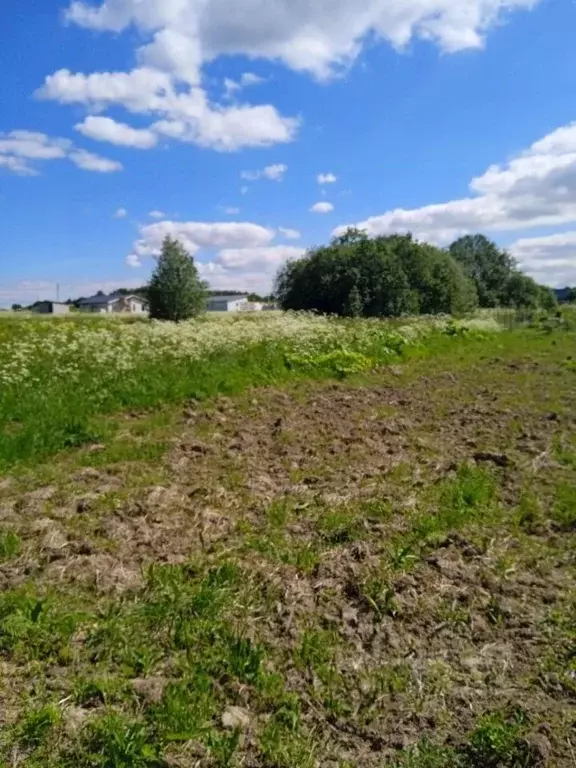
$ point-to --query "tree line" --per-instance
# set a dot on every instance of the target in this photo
(359, 276)
(396, 275)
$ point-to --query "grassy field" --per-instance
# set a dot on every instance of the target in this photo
(59, 376)
(376, 571)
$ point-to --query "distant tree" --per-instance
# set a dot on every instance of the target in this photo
(16, 307)
(384, 276)
(489, 267)
(175, 290)
(571, 295)
(547, 298)
(521, 291)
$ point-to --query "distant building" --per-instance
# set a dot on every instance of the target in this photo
(114, 302)
(227, 304)
(51, 308)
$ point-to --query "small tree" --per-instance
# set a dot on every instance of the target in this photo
(175, 291)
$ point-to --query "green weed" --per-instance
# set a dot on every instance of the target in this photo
(9, 546)
(340, 527)
(37, 724)
(36, 627)
(115, 741)
(563, 512)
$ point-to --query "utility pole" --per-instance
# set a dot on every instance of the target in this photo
(57, 293)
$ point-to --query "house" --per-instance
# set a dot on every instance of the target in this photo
(51, 308)
(227, 304)
(114, 302)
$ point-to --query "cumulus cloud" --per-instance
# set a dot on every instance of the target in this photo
(322, 207)
(121, 213)
(247, 79)
(178, 37)
(184, 115)
(271, 172)
(289, 234)
(106, 129)
(88, 161)
(550, 259)
(133, 261)
(319, 37)
(21, 151)
(262, 258)
(233, 255)
(326, 178)
(247, 268)
(535, 188)
(157, 215)
(195, 235)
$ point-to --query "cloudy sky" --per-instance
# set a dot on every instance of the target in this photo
(252, 129)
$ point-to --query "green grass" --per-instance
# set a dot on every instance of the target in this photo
(390, 627)
(49, 403)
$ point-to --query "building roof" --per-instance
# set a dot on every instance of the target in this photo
(109, 298)
(227, 298)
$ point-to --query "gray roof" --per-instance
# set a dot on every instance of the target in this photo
(227, 298)
(107, 299)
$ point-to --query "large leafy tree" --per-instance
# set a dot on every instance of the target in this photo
(498, 280)
(175, 291)
(487, 265)
(384, 276)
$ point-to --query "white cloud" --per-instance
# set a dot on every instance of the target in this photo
(289, 234)
(243, 190)
(88, 161)
(106, 129)
(121, 213)
(33, 145)
(133, 261)
(247, 79)
(195, 235)
(534, 189)
(550, 259)
(326, 178)
(271, 172)
(247, 268)
(231, 211)
(142, 90)
(20, 151)
(157, 214)
(181, 36)
(262, 258)
(17, 165)
(185, 115)
(319, 37)
(322, 207)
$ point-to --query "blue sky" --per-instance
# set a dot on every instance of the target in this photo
(217, 121)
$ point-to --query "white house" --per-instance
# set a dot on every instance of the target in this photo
(227, 304)
(114, 303)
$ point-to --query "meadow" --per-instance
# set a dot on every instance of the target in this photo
(294, 543)
(59, 375)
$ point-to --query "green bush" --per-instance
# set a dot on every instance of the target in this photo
(385, 276)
